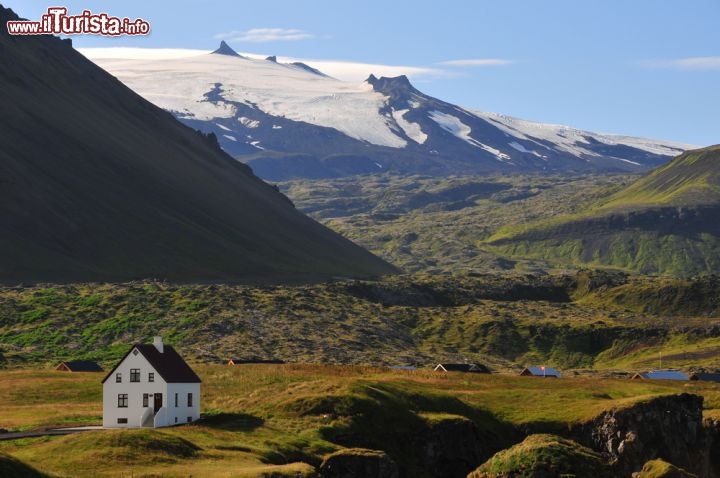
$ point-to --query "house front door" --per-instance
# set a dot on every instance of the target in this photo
(158, 402)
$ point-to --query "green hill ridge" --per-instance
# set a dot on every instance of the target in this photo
(664, 223)
(691, 179)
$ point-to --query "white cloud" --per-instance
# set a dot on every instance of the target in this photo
(264, 35)
(692, 63)
(356, 71)
(477, 62)
(131, 53)
(342, 70)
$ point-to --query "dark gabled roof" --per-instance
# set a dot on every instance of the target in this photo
(169, 364)
(710, 377)
(252, 360)
(462, 367)
(82, 366)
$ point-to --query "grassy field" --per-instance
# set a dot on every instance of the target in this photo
(280, 420)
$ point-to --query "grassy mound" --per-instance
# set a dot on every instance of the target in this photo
(661, 469)
(540, 456)
(398, 418)
(11, 466)
(126, 446)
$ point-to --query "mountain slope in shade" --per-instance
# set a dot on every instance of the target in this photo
(666, 222)
(100, 185)
(290, 121)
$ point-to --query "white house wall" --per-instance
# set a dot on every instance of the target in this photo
(182, 412)
(135, 390)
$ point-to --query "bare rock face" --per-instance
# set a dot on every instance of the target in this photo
(668, 427)
(359, 463)
(452, 447)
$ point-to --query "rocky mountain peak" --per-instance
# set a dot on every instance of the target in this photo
(398, 89)
(225, 49)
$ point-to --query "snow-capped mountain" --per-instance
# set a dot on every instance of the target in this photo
(290, 120)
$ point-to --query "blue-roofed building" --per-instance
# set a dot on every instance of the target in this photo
(542, 371)
(709, 377)
(662, 375)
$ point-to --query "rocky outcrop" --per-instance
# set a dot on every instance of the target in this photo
(667, 427)
(452, 447)
(359, 463)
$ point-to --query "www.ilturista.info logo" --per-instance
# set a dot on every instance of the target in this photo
(58, 22)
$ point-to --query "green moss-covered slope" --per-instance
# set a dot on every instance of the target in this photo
(664, 223)
(543, 456)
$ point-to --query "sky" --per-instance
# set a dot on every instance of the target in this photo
(647, 68)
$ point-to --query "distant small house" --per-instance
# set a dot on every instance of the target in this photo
(661, 375)
(706, 377)
(79, 366)
(461, 367)
(247, 361)
(542, 371)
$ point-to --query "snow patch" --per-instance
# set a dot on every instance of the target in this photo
(412, 130)
(249, 123)
(573, 141)
(519, 147)
(628, 161)
(230, 137)
(276, 126)
(223, 127)
(452, 124)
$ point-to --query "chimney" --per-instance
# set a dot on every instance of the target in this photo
(158, 343)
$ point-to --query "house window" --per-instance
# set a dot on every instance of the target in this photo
(134, 374)
(118, 377)
(175, 419)
(151, 377)
(189, 399)
(145, 400)
(189, 419)
(122, 400)
(122, 420)
(176, 400)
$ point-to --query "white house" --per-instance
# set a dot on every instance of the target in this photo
(152, 386)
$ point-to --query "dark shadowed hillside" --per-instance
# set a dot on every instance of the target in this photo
(97, 184)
